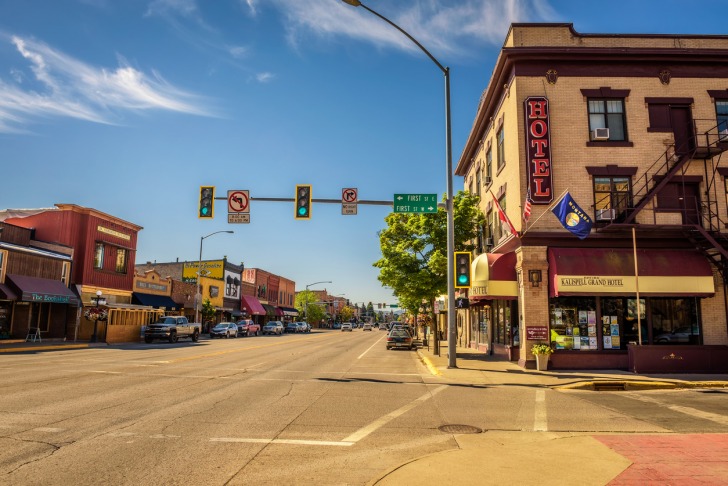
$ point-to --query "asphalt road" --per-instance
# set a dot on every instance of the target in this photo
(320, 408)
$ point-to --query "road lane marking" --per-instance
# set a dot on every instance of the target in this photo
(284, 441)
(694, 412)
(539, 419)
(368, 429)
(370, 347)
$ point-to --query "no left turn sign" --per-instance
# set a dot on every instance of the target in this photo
(238, 202)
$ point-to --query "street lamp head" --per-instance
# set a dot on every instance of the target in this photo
(353, 3)
(98, 293)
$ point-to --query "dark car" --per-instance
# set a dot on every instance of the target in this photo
(399, 338)
(291, 327)
(224, 329)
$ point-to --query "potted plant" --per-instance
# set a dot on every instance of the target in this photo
(542, 352)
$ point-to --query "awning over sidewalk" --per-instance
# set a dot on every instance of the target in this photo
(494, 277)
(7, 293)
(34, 289)
(156, 301)
(610, 271)
(289, 311)
(252, 305)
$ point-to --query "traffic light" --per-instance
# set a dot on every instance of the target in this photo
(303, 202)
(207, 201)
(462, 269)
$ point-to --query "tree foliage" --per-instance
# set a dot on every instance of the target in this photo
(414, 249)
(305, 302)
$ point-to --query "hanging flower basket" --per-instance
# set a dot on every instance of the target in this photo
(96, 314)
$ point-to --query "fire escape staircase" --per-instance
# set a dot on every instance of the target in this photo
(707, 236)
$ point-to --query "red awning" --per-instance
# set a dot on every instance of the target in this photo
(34, 289)
(494, 277)
(252, 305)
(7, 293)
(604, 271)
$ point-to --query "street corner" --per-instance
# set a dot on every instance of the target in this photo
(638, 385)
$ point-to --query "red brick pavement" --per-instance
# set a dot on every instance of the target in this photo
(674, 459)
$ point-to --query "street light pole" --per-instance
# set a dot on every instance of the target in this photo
(198, 297)
(305, 303)
(97, 299)
(452, 331)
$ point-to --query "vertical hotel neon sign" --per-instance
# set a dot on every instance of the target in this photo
(538, 150)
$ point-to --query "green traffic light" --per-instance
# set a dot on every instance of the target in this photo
(302, 211)
(463, 279)
(204, 211)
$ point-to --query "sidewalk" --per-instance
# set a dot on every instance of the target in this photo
(21, 346)
(563, 458)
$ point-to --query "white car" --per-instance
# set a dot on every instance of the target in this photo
(366, 327)
(346, 326)
(273, 327)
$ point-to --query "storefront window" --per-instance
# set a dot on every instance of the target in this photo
(99, 256)
(573, 323)
(674, 321)
(502, 321)
(5, 319)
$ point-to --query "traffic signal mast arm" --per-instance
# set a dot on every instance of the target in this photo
(327, 201)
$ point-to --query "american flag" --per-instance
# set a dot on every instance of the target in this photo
(527, 207)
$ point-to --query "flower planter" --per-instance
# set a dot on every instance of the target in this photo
(542, 362)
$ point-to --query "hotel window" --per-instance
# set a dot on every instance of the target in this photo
(721, 112)
(501, 149)
(99, 256)
(120, 260)
(477, 182)
(3, 259)
(488, 166)
(607, 113)
(66, 273)
(612, 196)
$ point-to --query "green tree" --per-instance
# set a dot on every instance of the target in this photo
(208, 311)
(346, 313)
(414, 250)
(305, 302)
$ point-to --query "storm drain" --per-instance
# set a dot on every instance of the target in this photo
(610, 386)
(459, 429)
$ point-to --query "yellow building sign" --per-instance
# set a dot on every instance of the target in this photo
(211, 269)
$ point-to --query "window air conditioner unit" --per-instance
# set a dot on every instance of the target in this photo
(600, 134)
(489, 242)
(723, 136)
(487, 180)
(606, 214)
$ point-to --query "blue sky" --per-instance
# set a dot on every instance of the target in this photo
(129, 106)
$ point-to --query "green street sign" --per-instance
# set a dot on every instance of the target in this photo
(415, 203)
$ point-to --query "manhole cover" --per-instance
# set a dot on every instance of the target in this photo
(459, 429)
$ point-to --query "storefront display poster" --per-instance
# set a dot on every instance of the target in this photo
(582, 317)
(615, 342)
(577, 343)
(584, 342)
(605, 319)
(613, 320)
(615, 329)
(607, 342)
(593, 342)
(592, 330)
(592, 317)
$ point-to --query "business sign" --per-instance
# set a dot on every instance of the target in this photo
(537, 333)
(538, 150)
(210, 269)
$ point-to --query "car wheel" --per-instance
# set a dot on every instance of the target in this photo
(148, 339)
(195, 336)
(173, 337)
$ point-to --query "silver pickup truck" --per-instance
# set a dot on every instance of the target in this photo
(171, 328)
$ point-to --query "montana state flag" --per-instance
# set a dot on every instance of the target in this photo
(572, 217)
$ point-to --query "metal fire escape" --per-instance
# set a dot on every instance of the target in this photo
(705, 232)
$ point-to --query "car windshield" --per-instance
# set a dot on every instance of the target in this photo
(166, 320)
(220, 326)
(399, 333)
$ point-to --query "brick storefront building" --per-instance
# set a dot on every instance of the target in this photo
(634, 128)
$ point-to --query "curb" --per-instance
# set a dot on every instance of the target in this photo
(383, 475)
(428, 364)
(639, 385)
(43, 348)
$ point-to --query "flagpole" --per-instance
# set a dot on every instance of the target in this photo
(547, 210)
(637, 288)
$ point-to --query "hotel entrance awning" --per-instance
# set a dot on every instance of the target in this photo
(494, 277)
(610, 271)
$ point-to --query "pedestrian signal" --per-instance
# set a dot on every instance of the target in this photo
(462, 269)
(207, 201)
(303, 202)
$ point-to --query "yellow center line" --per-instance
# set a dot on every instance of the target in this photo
(229, 351)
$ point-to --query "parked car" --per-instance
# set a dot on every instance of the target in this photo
(273, 327)
(171, 328)
(247, 327)
(366, 327)
(291, 327)
(346, 326)
(383, 327)
(337, 325)
(399, 338)
(303, 327)
(224, 329)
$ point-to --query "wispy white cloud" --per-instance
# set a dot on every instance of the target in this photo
(252, 6)
(61, 86)
(264, 77)
(444, 27)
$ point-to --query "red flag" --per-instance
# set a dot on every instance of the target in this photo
(527, 207)
(503, 217)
